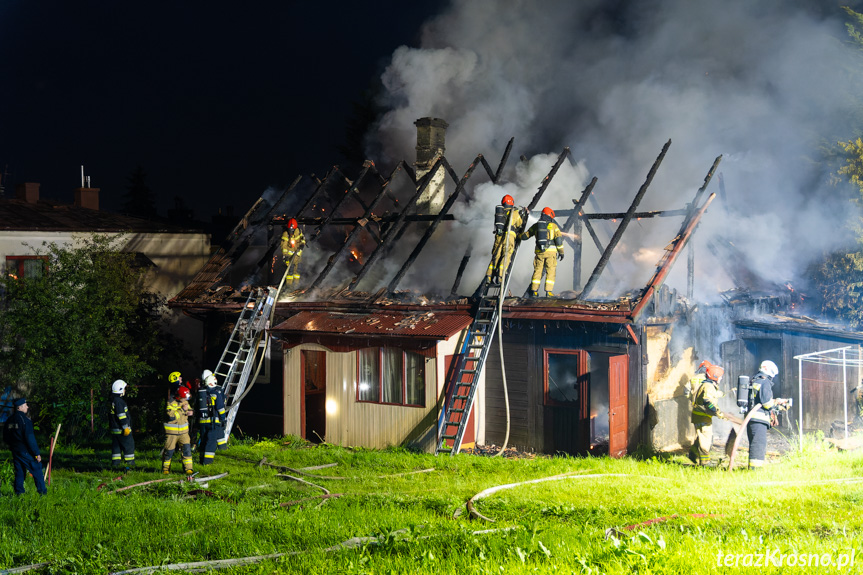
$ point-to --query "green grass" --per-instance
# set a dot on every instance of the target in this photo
(572, 525)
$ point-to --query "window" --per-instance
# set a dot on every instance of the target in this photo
(391, 376)
(26, 266)
(566, 374)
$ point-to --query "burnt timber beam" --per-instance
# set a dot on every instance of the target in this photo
(574, 222)
(547, 180)
(400, 221)
(431, 229)
(495, 176)
(367, 165)
(318, 189)
(618, 233)
(377, 219)
(668, 260)
(464, 260)
(348, 240)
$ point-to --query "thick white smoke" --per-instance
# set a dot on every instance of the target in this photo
(762, 83)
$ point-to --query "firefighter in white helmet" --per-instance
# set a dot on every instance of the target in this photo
(705, 406)
(765, 417)
(177, 431)
(122, 443)
(211, 417)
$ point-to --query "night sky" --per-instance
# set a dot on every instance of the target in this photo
(216, 101)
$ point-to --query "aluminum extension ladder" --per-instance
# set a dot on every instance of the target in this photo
(461, 389)
(238, 359)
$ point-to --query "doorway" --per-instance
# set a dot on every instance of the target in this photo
(313, 374)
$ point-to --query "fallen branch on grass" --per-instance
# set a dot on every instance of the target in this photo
(24, 568)
(351, 543)
(324, 497)
(304, 482)
(313, 476)
(572, 475)
(194, 480)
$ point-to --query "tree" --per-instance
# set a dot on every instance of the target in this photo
(139, 198)
(73, 329)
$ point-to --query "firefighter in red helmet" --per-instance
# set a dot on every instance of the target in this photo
(177, 431)
(549, 249)
(508, 222)
(293, 242)
(705, 406)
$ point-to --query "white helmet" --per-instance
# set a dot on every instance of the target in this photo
(769, 368)
(118, 386)
(210, 380)
(207, 373)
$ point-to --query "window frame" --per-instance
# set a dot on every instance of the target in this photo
(582, 375)
(18, 261)
(381, 371)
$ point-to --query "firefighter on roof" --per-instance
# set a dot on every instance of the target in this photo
(18, 435)
(293, 242)
(211, 417)
(761, 391)
(504, 239)
(177, 431)
(122, 444)
(549, 249)
(705, 406)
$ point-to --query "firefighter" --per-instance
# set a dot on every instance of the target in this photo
(177, 431)
(504, 240)
(211, 417)
(549, 249)
(761, 391)
(705, 406)
(175, 380)
(122, 443)
(293, 243)
(20, 438)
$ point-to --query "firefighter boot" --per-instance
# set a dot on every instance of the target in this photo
(166, 467)
(549, 294)
(534, 293)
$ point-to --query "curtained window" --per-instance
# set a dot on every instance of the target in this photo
(391, 376)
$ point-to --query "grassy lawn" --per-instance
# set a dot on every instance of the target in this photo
(394, 511)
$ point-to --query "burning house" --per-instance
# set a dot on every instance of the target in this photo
(353, 357)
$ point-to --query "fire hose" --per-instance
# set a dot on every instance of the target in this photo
(503, 286)
(739, 434)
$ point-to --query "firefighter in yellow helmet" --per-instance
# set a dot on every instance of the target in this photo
(549, 249)
(293, 242)
(504, 239)
(705, 406)
(177, 431)
(175, 380)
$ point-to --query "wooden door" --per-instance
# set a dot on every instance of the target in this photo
(618, 404)
(313, 373)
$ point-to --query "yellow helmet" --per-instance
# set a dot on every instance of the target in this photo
(174, 377)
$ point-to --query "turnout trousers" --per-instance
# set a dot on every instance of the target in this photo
(756, 431)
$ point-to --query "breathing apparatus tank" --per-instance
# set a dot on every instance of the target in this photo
(743, 393)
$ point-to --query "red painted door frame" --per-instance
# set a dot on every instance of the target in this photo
(618, 404)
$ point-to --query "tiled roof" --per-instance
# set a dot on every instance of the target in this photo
(420, 324)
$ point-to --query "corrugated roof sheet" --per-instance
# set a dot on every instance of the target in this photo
(422, 324)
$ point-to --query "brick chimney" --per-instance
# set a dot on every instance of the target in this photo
(87, 198)
(431, 137)
(29, 192)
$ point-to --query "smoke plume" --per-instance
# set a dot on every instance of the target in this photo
(761, 83)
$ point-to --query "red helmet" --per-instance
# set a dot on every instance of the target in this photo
(507, 201)
(183, 392)
(713, 372)
(549, 212)
(292, 224)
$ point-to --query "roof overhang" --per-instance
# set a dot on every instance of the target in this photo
(427, 325)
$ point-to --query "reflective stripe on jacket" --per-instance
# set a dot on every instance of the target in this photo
(178, 421)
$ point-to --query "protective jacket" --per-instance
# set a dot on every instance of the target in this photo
(211, 406)
(293, 243)
(119, 419)
(19, 435)
(548, 236)
(706, 396)
(178, 421)
(501, 214)
(761, 391)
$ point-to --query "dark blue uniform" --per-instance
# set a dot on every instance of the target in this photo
(211, 421)
(761, 391)
(19, 435)
(122, 444)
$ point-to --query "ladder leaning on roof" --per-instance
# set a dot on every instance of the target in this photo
(235, 365)
(461, 389)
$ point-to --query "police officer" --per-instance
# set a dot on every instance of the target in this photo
(705, 406)
(122, 443)
(211, 417)
(177, 431)
(761, 391)
(504, 239)
(19, 435)
(549, 249)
